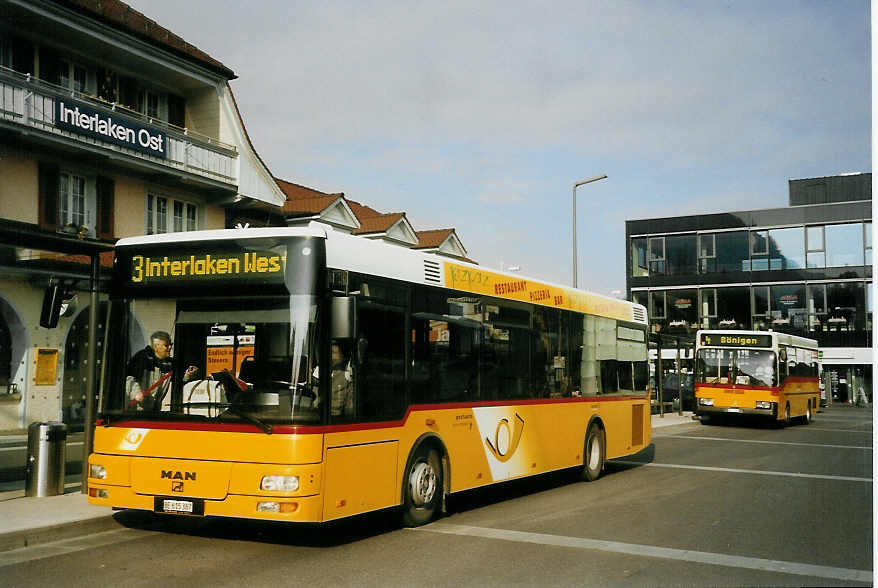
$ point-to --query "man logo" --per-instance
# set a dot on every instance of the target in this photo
(505, 441)
(176, 486)
(175, 475)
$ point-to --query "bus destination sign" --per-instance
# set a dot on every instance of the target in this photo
(735, 340)
(207, 267)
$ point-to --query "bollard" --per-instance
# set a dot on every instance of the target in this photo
(46, 456)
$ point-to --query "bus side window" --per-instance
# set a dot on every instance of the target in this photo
(782, 364)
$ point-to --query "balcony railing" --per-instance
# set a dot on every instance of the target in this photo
(27, 101)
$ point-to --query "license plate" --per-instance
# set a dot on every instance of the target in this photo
(177, 506)
(734, 410)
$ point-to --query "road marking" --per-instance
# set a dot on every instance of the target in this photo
(74, 544)
(742, 471)
(768, 442)
(840, 430)
(717, 559)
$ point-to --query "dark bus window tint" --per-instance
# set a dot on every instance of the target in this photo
(507, 352)
(446, 338)
(380, 362)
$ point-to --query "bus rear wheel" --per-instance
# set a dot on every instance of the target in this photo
(422, 487)
(594, 453)
(806, 418)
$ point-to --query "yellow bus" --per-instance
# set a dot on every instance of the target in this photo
(316, 375)
(756, 373)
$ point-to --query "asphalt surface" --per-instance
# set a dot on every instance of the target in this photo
(739, 505)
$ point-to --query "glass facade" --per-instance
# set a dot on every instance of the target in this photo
(843, 245)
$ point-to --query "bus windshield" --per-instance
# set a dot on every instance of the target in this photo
(220, 331)
(748, 367)
(227, 360)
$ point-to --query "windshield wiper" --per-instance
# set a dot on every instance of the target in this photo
(237, 410)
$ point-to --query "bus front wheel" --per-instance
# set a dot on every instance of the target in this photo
(594, 453)
(423, 487)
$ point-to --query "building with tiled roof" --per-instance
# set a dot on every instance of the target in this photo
(110, 126)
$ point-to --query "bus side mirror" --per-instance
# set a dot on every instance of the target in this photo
(343, 312)
(53, 297)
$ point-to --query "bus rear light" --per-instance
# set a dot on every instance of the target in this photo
(281, 507)
(705, 401)
(280, 483)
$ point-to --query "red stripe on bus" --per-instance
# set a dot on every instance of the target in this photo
(742, 387)
(315, 429)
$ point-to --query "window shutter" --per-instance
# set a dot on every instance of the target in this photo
(48, 196)
(105, 198)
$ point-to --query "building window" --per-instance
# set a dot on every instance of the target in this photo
(816, 306)
(164, 215)
(657, 255)
(844, 245)
(657, 306)
(788, 313)
(680, 252)
(816, 250)
(758, 250)
(682, 310)
(733, 308)
(75, 203)
(639, 263)
(5, 52)
(760, 308)
(867, 240)
(786, 248)
(707, 306)
(73, 77)
(706, 254)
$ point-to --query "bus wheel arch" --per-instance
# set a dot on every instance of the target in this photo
(424, 484)
(594, 453)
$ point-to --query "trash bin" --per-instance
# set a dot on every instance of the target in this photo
(46, 454)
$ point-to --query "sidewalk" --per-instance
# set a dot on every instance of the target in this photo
(27, 521)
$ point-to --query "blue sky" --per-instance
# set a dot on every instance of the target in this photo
(482, 115)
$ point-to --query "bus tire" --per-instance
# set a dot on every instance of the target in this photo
(422, 487)
(806, 418)
(594, 453)
(786, 416)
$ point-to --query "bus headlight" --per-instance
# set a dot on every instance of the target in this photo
(98, 472)
(764, 405)
(280, 483)
(705, 401)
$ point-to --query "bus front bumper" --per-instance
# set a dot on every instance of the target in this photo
(304, 509)
(703, 409)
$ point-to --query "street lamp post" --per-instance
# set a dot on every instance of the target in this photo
(575, 255)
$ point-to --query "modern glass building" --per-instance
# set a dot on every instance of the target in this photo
(804, 269)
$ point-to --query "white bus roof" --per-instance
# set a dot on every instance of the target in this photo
(353, 253)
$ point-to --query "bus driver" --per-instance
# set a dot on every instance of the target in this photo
(148, 373)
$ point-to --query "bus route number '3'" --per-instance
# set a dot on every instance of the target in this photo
(505, 440)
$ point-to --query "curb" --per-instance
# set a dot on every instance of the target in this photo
(52, 533)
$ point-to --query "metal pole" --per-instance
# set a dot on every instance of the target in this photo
(575, 255)
(91, 381)
(659, 377)
(679, 381)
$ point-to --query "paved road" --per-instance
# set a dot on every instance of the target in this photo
(734, 505)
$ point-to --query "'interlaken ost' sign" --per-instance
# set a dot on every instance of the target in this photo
(80, 118)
